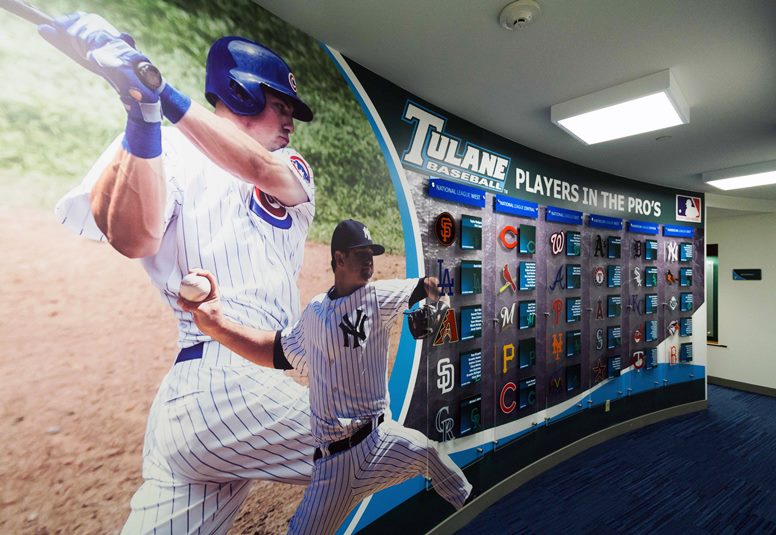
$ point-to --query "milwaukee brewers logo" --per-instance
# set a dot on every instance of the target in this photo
(557, 242)
(444, 424)
(445, 374)
(444, 227)
(270, 210)
(354, 329)
(507, 316)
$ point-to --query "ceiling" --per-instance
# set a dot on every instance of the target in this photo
(455, 54)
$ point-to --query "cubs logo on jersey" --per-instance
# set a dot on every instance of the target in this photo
(270, 210)
(301, 167)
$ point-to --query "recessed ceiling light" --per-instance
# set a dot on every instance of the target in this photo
(650, 103)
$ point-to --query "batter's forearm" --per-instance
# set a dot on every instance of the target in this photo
(127, 203)
(240, 154)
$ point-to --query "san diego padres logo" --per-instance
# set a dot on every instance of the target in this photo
(270, 210)
(444, 227)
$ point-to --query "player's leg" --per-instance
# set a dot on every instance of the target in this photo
(190, 508)
(394, 453)
(328, 499)
(239, 422)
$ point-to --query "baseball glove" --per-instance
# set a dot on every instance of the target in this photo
(425, 320)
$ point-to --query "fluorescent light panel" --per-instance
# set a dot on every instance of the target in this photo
(650, 103)
(747, 176)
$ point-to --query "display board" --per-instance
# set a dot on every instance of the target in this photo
(570, 289)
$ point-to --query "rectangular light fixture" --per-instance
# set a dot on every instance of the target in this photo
(650, 103)
(745, 176)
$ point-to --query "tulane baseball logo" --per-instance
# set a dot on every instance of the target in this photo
(270, 210)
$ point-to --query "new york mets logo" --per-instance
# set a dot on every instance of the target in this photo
(270, 210)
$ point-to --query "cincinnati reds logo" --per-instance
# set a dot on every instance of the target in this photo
(270, 210)
(508, 237)
(292, 81)
(301, 167)
(558, 242)
(444, 227)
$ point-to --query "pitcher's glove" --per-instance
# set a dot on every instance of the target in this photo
(426, 319)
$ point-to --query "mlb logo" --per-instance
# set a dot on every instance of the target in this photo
(688, 208)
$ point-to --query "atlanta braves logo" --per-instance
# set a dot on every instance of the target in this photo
(270, 210)
(353, 329)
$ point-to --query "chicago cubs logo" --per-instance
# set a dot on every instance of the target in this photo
(270, 210)
(444, 424)
(445, 373)
(292, 81)
(301, 167)
(444, 228)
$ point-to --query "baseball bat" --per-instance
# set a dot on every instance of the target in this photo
(145, 71)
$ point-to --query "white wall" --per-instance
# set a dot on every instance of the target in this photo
(747, 309)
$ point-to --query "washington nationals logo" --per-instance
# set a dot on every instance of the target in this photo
(444, 228)
(445, 373)
(353, 329)
(270, 210)
(444, 424)
(557, 242)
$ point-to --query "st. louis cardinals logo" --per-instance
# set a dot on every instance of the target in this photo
(270, 210)
(353, 329)
(444, 424)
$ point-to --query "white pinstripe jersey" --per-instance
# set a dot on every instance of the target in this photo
(252, 244)
(343, 345)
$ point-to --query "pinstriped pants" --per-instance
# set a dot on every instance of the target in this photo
(390, 455)
(211, 430)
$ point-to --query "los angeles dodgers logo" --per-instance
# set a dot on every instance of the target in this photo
(353, 329)
(270, 210)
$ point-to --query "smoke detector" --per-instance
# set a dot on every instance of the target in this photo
(520, 14)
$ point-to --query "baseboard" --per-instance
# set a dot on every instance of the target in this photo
(746, 387)
(462, 517)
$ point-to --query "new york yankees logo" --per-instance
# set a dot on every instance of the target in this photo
(353, 329)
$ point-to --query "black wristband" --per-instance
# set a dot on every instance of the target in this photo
(279, 359)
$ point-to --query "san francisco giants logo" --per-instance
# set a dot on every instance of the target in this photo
(445, 229)
(445, 374)
(446, 282)
(558, 242)
(557, 345)
(353, 329)
(508, 237)
(444, 424)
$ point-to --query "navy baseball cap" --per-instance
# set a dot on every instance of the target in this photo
(351, 234)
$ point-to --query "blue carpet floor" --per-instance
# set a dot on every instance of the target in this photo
(708, 472)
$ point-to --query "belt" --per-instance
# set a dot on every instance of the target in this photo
(190, 353)
(352, 440)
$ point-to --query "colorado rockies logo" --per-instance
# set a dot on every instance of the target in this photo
(270, 210)
(444, 424)
(354, 330)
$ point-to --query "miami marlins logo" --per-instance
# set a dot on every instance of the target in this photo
(270, 210)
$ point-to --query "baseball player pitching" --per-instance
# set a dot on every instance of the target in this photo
(220, 191)
(341, 340)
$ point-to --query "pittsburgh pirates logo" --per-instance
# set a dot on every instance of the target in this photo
(353, 329)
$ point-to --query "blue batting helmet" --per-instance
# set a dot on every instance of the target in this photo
(237, 68)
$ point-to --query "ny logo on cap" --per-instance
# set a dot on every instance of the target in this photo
(367, 235)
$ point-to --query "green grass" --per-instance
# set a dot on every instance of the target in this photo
(56, 117)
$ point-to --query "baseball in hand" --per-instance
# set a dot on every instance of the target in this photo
(194, 288)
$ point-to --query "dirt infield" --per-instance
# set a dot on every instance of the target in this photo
(85, 342)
